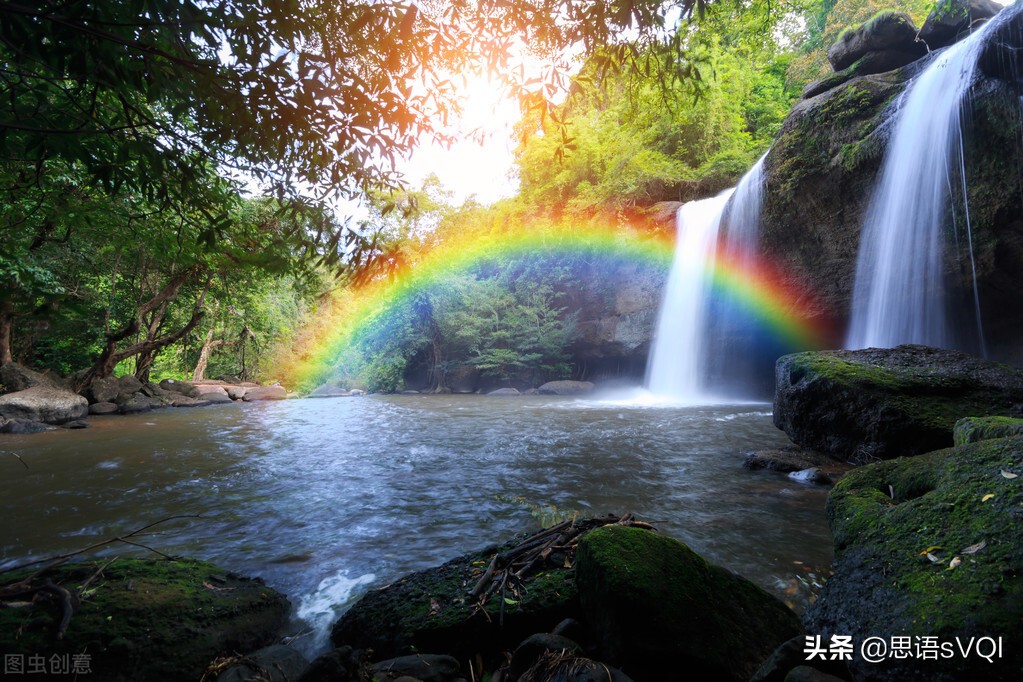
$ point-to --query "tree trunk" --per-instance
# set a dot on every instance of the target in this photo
(6, 331)
(104, 366)
(204, 355)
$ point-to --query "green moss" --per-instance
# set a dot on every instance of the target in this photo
(973, 429)
(149, 619)
(894, 513)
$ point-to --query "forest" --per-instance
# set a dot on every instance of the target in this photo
(177, 188)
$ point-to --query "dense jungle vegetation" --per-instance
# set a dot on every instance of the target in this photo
(175, 176)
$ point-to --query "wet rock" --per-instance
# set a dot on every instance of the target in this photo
(270, 664)
(559, 666)
(565, 387)
(505, 392)
(813, 476)
(871, 63)
(77, 424)
(46, 404)
(535, 647)
(792, 654)
(22, 426)
(148, 619)
(103, 408)
(185, 401)
(1002, 55)
(973, 429)
(886, 31)
(654, 605)
(883, 403)
(342, 664)
(432, 610)
(423, 667)
(786, 459)
(265, 393)
(930, 545)
(952, 20)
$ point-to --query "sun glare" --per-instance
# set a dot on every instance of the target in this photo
(480, 161)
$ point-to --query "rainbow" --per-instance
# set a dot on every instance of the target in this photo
(761, 291)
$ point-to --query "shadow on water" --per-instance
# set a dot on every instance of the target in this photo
(324, 498)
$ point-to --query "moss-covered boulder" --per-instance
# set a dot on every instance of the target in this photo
(973, 429)
(141, 619)
(885, 31)
(930, 546)
(433, 611)
(884, 403)
(951, 20)
(659, 611)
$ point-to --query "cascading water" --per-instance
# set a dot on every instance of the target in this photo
(901, 293)
(688, 340)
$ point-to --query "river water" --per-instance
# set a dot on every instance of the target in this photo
(326, 498)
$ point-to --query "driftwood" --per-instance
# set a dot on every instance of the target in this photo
(510, 568)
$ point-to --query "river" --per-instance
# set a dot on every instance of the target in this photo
(326, 498)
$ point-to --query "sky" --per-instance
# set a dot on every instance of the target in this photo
(472, 167)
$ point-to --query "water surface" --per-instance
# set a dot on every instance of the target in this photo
(325, 498)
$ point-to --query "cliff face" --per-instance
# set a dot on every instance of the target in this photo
(822, 170)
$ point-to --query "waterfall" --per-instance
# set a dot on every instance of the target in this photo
(900, 293)
(694, 335)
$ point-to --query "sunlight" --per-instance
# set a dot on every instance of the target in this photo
(480, 162)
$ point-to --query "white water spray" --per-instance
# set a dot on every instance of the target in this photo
(900, 295)
(687, 341)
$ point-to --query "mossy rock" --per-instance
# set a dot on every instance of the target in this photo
(432, 611)
(659, 611)
(147, 619)
(884, 403)
(974, 429)
(957, 506)
(952, 20)
(885, 31)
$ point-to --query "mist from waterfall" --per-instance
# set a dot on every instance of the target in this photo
(902, 292)
(695, 335)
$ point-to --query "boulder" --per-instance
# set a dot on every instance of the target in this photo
(176, 386)
(973, 429)
(813, 475)
(15, 377)
(342, 664)
(952, 20)
(21, 426)
(128, 384)
(884, 403)
(134, 403)
(275, 392)
(156, 393)
(422, 667)
(929, 546)
(46, 404)
(886, 31)
(786, 459)
(148, 619)
(236, 392)
(565, 387)
(185, 401)
(76, 424)
(204, 391)
(873, 62)
(504, 392)
(535, 647)
(103, 408)
(277, 663)
(102, 390)
(658, 610)
(214, 397)
(432, 610)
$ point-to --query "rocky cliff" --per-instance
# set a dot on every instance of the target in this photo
(822, 168)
